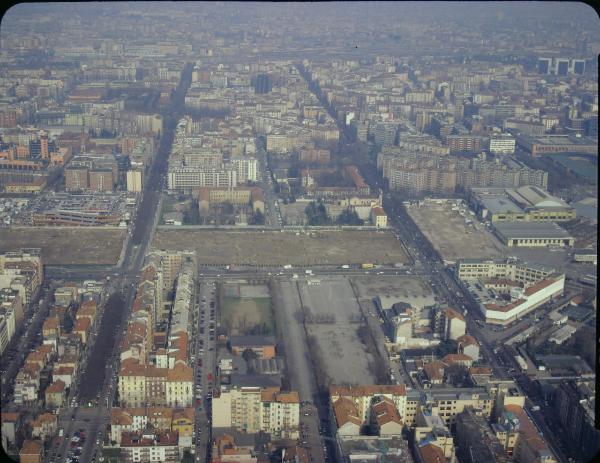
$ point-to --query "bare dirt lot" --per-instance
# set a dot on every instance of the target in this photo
(336, 337)
(451, 236)
(67, 245)
(280, 248)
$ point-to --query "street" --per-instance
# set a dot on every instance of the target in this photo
(99, 388)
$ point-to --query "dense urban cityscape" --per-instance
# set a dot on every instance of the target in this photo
(303, 232)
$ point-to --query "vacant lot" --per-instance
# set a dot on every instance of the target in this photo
(241, 316)
(280, 248)
(334, 325)
(67, 245)
(451, 236)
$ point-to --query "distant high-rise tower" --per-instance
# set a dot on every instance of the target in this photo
(579, 66)
(544, 65)
(561, 66)
(263, 83)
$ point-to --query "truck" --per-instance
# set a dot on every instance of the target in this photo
(345, 266)
(61, 432)
(308, 272)
(368, 265)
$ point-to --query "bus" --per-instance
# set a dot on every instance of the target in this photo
(521, 362)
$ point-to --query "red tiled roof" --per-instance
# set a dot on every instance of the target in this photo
(431, 453)
(539, 286)
(386, 412)
(345, 411)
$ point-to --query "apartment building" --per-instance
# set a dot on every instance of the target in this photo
(524, 273)
(246, 168)
(11, 425)
(159, 275)
(529, 445)
(432, 437)
(101, 180)
(44, 426)
(502, 144)
(465, 143)
(150, 446)
(379, 217)
(280, 413)
(164, 419)
(76, 178)
(22, 271)
(475, 440)
(517, 301)
(448, 323)
(141, 384)
(179, 386)
(27, 384)
(135, 180)
(362, 396)
(418, 176)
(132, 384)
(575, 408)
(11, 315)
(190, 178)
(254, 409)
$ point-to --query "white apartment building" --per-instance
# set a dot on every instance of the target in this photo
(529, 286)
(246, 168)
(504, 144)
(254, 409)
(512, 269)
(189, 178)
(179, 387)
(134, 181)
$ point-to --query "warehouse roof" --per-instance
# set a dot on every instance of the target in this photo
(497, 204)
(536, 229)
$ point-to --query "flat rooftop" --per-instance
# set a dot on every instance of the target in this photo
(498, 204)
(558, 140)
(531, 230)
